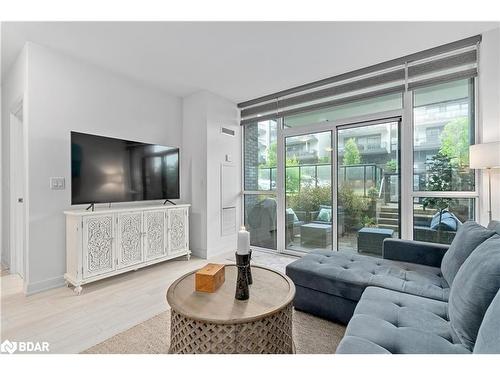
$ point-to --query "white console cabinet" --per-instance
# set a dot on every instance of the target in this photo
(106, 242)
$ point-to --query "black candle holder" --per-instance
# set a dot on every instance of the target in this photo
(249, 269)
(243, 264)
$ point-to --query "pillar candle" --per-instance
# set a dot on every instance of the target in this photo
(243, 242)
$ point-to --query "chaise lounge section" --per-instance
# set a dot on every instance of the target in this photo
(330, 284)
(387, 321)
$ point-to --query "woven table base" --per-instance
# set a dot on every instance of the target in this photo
(269, 335)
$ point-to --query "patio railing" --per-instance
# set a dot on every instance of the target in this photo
(361, 176)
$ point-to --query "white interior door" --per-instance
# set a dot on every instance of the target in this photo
(17, 173)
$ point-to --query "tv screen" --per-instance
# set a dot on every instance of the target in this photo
(105, 170)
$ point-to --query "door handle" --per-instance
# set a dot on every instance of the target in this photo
(20, 200)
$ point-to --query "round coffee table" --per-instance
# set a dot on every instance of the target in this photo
(219, 323)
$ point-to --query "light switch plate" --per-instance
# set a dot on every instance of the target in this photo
(57, 183)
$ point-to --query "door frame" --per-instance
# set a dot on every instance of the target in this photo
(333, 126)
(18, 257)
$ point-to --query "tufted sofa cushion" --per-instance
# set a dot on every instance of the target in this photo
(469, 236)
(475, 285)
(347, 275)
(488, 337)
(386, 321)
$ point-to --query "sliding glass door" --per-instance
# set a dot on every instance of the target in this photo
(368, 186)
(308, 192)
(341, 187)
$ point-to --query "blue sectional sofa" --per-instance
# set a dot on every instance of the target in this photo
(421, 298)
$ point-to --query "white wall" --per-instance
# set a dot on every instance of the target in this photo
(13, 90)
(221, 112)
(194, 166)
(65, 94)
(489, 115)
(205, 148)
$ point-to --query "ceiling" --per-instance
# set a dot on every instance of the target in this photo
(237, 60)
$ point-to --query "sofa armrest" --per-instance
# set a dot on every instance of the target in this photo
(426, 253)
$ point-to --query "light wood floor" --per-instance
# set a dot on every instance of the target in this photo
(73, 323)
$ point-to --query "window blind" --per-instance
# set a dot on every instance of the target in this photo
(451, 61)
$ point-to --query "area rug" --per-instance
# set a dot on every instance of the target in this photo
(311, 335)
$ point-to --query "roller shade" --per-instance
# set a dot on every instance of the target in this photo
(457, 60)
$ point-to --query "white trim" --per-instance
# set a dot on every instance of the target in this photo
(450, 194)
(280, 188)
(17, 265)
(334, 179)
(406, 167)
(259, 192)
(40, 286)
(377, 117)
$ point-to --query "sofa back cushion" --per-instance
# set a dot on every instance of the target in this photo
(488, 337)
(468, 237)
(475, 285)
(494, 225)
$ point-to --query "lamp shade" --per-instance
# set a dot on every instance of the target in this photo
(484, 155)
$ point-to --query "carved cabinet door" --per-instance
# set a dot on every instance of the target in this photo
(177, 231)
(98, 245)
(129, 239)
(154, 234)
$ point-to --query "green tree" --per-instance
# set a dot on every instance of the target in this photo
(439, 179)
(272, 159)
(455, 142)
(352, 206)
(351, 153)
(292, 175)
(392, 165)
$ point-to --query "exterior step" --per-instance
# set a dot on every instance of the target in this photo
(389, 215)
(388, 221)
(388, 209)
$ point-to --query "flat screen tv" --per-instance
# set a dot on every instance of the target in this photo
(105, 170)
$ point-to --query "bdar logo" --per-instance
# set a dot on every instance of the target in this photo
(8, 347)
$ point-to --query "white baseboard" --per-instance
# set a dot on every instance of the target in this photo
(199, 253)
(40, 286)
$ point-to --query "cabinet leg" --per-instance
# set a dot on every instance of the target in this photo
(78, 290)
(188, 256)
(66, 283)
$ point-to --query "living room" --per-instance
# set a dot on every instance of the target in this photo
(250, 187)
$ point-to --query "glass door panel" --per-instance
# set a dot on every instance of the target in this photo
(308, 192)
(368, 187)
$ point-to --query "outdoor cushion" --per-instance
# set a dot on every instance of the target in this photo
(469, 236)
(448, 221)
(399, 323)
(488, 337)
(347, 275)
(475, 285)
(325, 214)
(292, 212)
